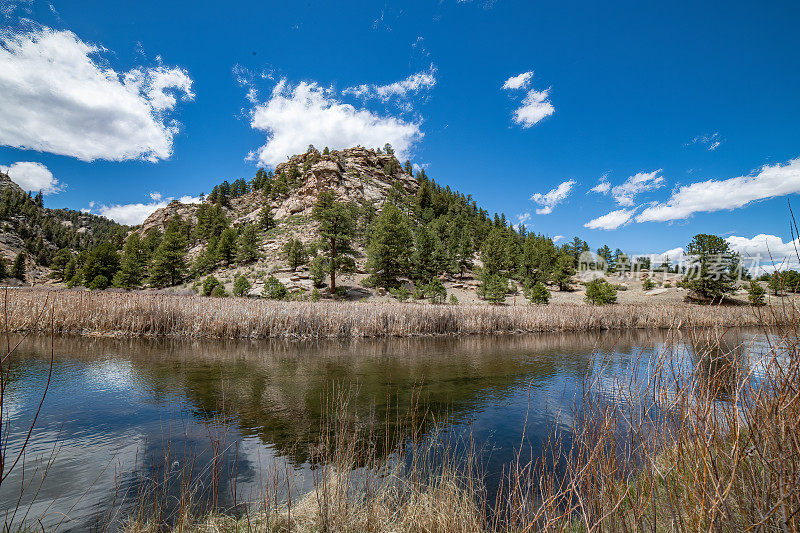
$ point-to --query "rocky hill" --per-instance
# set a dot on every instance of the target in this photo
(26, 225)
(358, 175)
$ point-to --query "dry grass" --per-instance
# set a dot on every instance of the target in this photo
(142, 314)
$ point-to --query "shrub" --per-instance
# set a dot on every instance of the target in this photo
(418, 293)
(241, 286)
(755, 293)
(209, 284)
(453, 299)
(537, 293)
(99, 282)
(600, 292)
(315, 296)
(401, 293)
(219, 291)
(435, 291)
(274, 289)
(648, 284)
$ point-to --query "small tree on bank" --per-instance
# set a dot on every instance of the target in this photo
(713, 267)
(388, 247)
(755, 293)
(536, 293)
(600, 292)
(169, 259)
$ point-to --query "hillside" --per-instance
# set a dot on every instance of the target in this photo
(26, 225)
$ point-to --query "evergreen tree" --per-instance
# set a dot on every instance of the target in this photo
(247, 245)
(424, 266)
(493, 252)
(18, 268)
(464, 252)
(103, 260)
(388, 251)
(336, 230)
(563, 270)
(536, 293)
(132, 265)
(59, 263)
(3, 268)
(493, 287)
(241, 287)
(295, 252)
(265, 219)
(169, 259)
(600, 292)
(226, 246)
(713, 266)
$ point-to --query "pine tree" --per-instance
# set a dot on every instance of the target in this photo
(59, 263)
(464, 252)
(18, 268)
(3, 268)
(712, 269)
(169, 259)
(295, 253)
(388, 247)
(247, 245)
(493, 252)
(226, 246)
(563, 270)
(132, 265)
(102, 260)
(265, 219)
(336, 230)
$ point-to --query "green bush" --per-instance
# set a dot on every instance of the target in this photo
(219, 291)
(600, 292)
(241, 286)
(315, 296)
(99, 282)
(648, 284)
(401, 293)
(536, 293)
(453, 299)
(755, 293)
(209, 284)
(274, 289)
(435, 291)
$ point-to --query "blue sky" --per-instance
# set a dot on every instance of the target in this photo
(526, 106)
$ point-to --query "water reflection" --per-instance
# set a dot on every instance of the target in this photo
(122, 412)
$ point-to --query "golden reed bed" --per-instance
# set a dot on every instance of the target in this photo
(143, 314)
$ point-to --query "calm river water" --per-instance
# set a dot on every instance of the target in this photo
(120, 415)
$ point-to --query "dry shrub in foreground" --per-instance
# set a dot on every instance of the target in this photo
(142, 314)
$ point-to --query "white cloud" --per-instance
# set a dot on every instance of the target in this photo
(519, 81)
(32, 177)
(711, 142)
(60, 96)
(732, 193)
(674, 255)
(611, 220)
(535, 106)
(524, 217)
(136, 213)
(602, 187)
(767, 251)
(640, 182)
(557, 238)
(553, 197)
(403, 88)
(295, 117)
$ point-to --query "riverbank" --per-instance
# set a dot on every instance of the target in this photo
(137, 314)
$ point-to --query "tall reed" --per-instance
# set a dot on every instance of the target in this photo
(143, 314)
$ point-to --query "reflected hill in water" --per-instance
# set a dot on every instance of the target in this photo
(282, 392)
